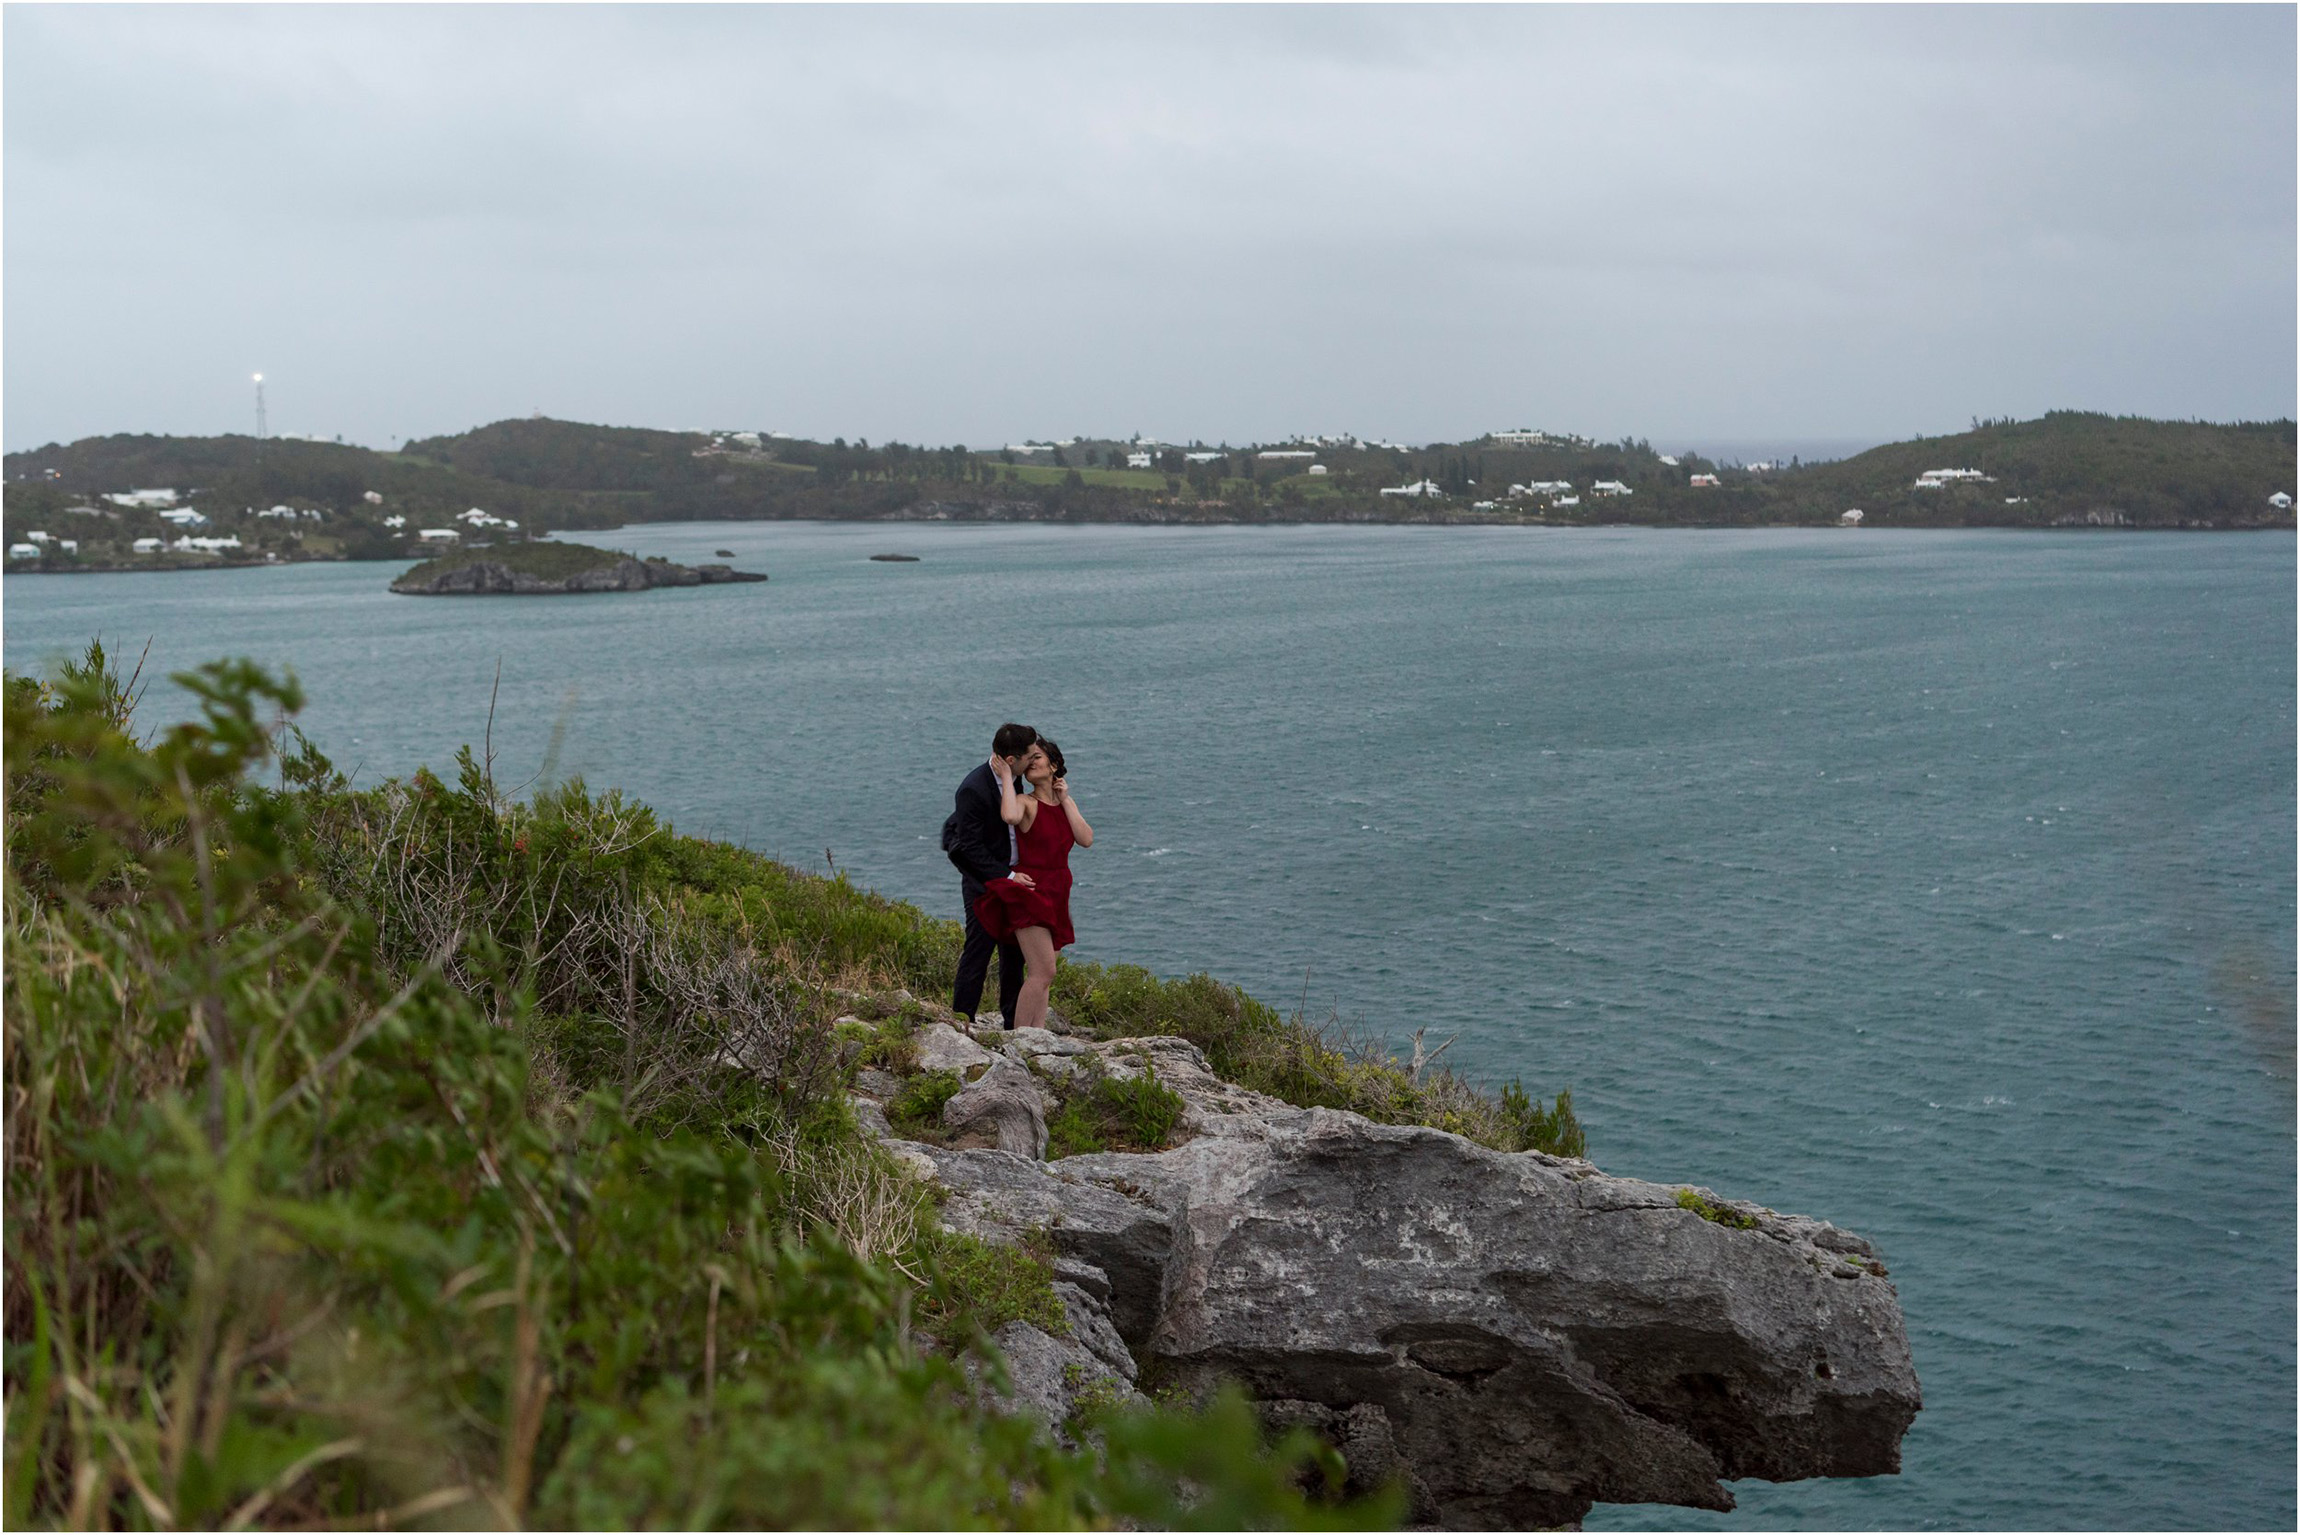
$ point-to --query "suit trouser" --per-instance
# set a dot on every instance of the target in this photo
(974, 964)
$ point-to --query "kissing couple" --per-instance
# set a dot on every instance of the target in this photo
(1010, 837)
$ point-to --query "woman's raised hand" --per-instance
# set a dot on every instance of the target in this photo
(1061, 788)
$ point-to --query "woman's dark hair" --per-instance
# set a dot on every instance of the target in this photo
(1012, 740)
(1053, 755)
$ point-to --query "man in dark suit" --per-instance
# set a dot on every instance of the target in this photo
(981, 844)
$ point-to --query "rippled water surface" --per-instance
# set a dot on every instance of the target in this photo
(1939, 884)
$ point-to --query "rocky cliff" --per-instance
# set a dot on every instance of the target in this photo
(1517, 1336)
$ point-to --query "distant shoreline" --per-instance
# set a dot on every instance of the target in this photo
(1182, 524)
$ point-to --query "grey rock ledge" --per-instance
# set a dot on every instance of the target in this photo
(1520, 1336)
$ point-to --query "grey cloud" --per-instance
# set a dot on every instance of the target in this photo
(950, 223)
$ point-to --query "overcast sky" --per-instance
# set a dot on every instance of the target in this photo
(953, 224)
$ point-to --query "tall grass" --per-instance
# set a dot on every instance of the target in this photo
(415, 1157)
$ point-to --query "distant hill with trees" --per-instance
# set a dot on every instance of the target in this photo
(2065, 469)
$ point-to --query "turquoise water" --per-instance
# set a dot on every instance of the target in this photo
(1939, 884)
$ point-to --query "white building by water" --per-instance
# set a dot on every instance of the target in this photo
(1417, 488)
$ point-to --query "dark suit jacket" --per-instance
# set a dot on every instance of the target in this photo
(974, 836)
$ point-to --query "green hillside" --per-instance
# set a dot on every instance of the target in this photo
(2066, 469)
(2069, 466)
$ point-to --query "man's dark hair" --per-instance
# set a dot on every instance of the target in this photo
(1013, 740)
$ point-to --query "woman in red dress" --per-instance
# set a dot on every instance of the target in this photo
(1047, 824)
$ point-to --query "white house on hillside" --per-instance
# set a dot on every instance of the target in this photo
(149, 545)
(1610, 488)
(185, 517)
(1702, 480)
(1934, 479)
(1417, 488)
(1851, 519)
(192, 543)
(2280, 501)
(143, 498)
(1137, 460)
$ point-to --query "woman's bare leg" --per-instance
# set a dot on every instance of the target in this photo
(1037, 977)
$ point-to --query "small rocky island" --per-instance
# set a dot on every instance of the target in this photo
(552, 569)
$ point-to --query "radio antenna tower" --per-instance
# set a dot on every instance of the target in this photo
(259, 407)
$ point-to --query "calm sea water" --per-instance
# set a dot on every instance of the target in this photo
(1939, 884)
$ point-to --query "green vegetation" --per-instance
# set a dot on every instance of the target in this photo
(1254, 1045)
(554, 561)
(986, 1285)
(412, 1154)
(2067, 468)
(918, 1107)
(1137, 1114)
(1709, 1210)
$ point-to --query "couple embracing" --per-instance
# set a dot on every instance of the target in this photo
(1010, 837)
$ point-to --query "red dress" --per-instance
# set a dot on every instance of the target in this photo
(1042, 851)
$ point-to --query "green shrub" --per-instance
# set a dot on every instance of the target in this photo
(1106, 1114)
(987, 1284)
(919, 1105)
(1554, 1130)
(893, 1045)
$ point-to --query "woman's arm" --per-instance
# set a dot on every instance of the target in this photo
(1078, 827)
(1009, 805)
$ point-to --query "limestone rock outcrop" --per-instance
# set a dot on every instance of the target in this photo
(1519, 1336)
(1004, 1105)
